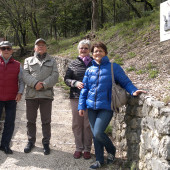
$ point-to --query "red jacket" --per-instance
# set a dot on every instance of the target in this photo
(9, 79)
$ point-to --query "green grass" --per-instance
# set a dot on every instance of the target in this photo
(153, 73)
(150, 66)
(62, 84)
(140, 72)
(166, 99)
(118, 59)
(131, 55)
(131, 68)
(108, 130)
(64, 47)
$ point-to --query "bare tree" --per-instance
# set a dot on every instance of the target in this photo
(133, 8)
(16, 20)
(95, 16)
(32, 9)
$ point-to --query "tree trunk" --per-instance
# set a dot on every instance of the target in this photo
(95, 16)
(114, 12)
(133, 8)
(102, 13)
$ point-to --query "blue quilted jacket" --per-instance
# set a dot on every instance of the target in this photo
(97, 80)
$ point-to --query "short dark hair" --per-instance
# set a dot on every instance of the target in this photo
(99, 45)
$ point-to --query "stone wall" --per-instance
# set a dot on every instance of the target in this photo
(141, 130)
(62, 64)
(142, 133)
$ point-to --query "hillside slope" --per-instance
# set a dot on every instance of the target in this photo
(149, 69)
(136, 46)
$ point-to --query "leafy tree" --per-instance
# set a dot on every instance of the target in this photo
(23, 21)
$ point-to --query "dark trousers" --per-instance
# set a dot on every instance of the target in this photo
(10, 114)
(45, 106)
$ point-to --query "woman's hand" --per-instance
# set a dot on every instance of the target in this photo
(81, 112)
(137, 92)
(79, 85)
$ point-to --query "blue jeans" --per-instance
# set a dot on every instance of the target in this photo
(10, 113)
(99, 120)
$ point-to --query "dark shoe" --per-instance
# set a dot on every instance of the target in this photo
(28, 147)
(110, 158)
(96, 165)
(77, 154)
(46, 149)
(86, 155)
(6, 149)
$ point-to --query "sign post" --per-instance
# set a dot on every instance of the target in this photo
(165, 21)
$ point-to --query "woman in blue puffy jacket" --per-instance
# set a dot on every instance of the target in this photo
(96, 97)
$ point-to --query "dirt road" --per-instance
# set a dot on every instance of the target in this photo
(62, 142)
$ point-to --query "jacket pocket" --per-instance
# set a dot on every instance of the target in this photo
(49, 93)
(46, 69)
(30, 92)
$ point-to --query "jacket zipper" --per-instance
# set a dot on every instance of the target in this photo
(96, 88)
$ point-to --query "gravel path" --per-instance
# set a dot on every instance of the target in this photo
(62, 142)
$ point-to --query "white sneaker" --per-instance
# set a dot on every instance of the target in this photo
(96, 165)
(110, 158)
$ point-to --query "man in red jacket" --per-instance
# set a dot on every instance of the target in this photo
(11, 89)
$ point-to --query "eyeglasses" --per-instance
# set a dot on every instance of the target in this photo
(98, 51)
(40, 45)
(83, 48)
(5, 48)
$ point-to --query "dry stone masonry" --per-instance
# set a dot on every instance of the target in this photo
(142, 132)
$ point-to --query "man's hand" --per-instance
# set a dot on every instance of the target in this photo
(18, 97)
(39, 86)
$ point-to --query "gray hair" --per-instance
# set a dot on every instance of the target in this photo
(84, 42)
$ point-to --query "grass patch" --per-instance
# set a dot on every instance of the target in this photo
(131, 55)
(131, 68)
(150, 66)
(65, 46)
(140, 72)
(108, 130)
(62, 84)
(153, 73)
(118, 59)
(166, 100)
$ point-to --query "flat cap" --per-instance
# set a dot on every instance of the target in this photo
(40, 39)
(5, 44)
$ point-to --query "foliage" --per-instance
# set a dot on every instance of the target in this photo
(108, 130)
(133, 166)
(23, 21)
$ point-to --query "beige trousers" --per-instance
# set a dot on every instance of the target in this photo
(81, 128)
